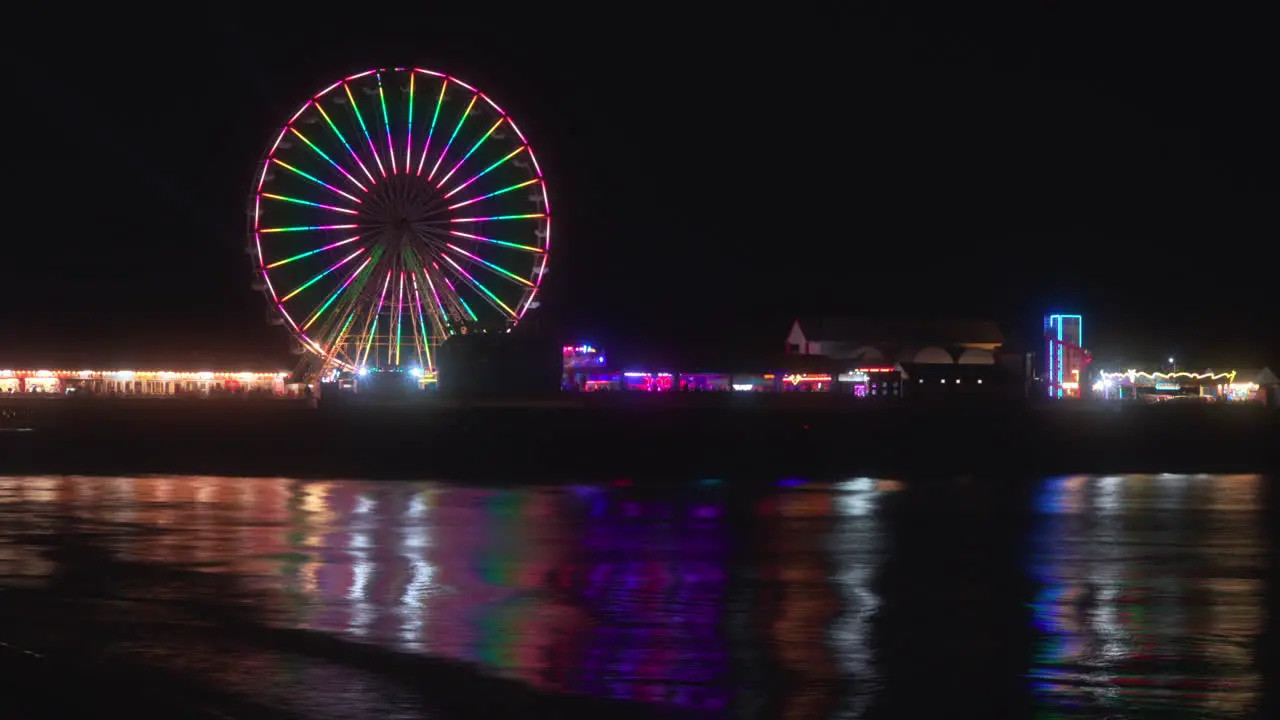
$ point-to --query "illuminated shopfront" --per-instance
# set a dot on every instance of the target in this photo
(648, 382)
(871, 382)
(1224, 386)
(140, 383)
(806, 382)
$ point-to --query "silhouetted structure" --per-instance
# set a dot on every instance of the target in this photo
(499, 364)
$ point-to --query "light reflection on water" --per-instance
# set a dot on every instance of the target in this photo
(1149, 588)
(1151, 595)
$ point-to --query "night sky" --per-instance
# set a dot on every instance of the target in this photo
(709, 175)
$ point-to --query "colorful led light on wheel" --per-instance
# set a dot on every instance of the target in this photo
(355, 209)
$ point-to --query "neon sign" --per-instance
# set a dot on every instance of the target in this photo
(796, 379)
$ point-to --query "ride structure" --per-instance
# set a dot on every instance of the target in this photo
(396, 208)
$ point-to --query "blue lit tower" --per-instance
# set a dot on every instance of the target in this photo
(1066, 357)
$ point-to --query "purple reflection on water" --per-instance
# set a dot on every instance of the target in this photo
(659, 592)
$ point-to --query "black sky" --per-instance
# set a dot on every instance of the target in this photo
(705, 171)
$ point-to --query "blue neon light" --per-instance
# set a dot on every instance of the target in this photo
(1059, 356)
(1055, 329)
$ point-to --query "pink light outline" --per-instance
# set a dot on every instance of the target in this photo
(493, 104)
(454, 79)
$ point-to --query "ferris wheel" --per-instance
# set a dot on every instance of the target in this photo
(396, 208)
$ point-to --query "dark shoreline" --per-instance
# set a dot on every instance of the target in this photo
(677, 438)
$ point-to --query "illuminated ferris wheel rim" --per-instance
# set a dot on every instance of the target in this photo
(383, 217)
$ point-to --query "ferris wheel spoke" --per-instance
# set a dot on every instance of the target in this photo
(296, 201)
(344, 142)
(422, 322)
(315, 180)
(377, 313)
(336, 345)
(336, 293)
(318, 277)
(434, 117)
(399, 315)
(309, 253)
(355, 108)
(468, 154)
(495, 193)
(305, 228)
(408, 144)
(501, 271)
(328, 335)
(407, 289)
(328, 159)
(485, 292)
(500, 243)
(486, 171)
(386, 123)
(491, 218)
(466, 113)
(454, 297)
(442, 319)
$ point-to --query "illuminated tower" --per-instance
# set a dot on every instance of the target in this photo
(1066, 358)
